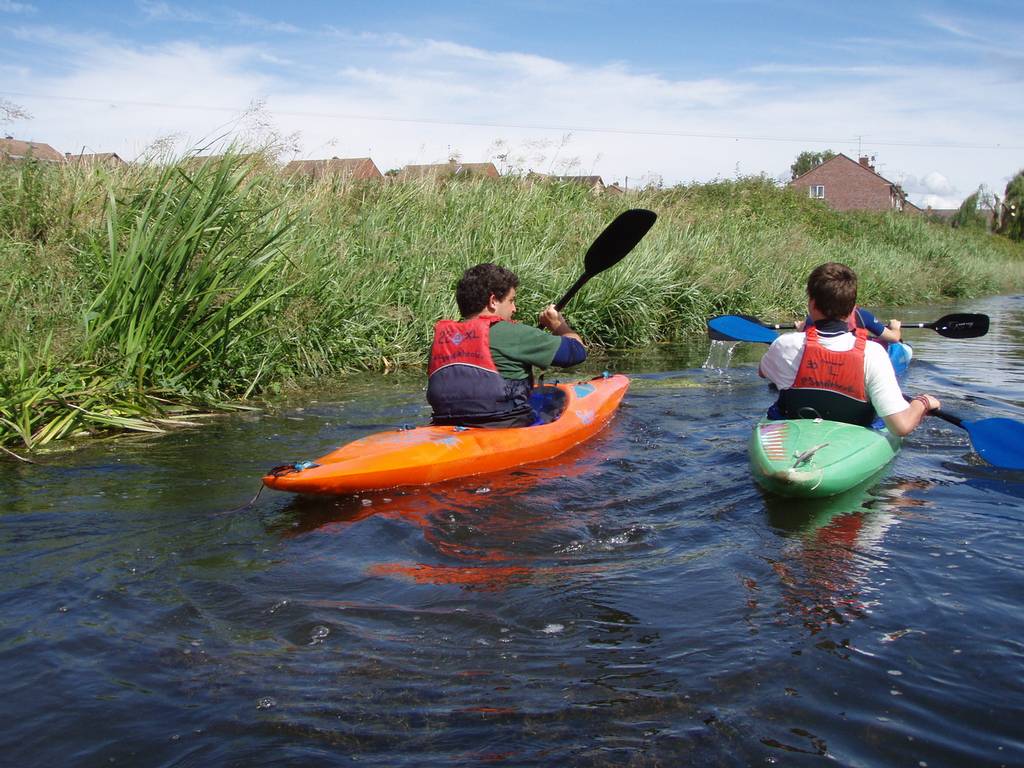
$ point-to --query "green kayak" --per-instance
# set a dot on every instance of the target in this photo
(814, 458)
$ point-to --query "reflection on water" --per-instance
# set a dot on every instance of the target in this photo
(832, 546)
(636, 601)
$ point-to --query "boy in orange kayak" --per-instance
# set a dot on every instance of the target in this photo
(481, 367)
(831, 371)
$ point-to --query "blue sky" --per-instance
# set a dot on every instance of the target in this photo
(636, 91)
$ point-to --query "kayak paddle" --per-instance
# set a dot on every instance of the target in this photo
(740, 328)
(956, 326)
(998, 441)
(611, 246)
(746, 328)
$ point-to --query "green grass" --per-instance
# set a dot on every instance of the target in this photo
(135, 296)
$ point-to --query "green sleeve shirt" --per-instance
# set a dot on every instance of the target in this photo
(517, 347)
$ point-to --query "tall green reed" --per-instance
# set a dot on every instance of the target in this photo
(184, 285)
(181, 270)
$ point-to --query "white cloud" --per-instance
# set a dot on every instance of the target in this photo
(8, 6)
(160, 11)
(248, 20)
(409, 100)
(939, 202)
(873, 70)
(938, 184)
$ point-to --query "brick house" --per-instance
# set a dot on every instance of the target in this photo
(847, 185)
(105, 159)
(593, 183)
(341, 168)
(448, 170)
(13, 150)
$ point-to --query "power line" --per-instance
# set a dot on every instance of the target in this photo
(523, 126)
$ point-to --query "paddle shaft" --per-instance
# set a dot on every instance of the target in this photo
(572, 291)
(791, 326)
(956, 421)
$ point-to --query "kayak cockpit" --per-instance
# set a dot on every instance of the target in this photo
(548, 403)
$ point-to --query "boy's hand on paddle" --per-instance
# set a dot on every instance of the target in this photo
(550, 318)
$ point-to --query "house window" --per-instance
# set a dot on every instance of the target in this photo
(818, 191)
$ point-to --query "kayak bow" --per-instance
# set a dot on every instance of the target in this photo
(813, 458)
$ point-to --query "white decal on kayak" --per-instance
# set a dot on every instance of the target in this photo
(773, 438)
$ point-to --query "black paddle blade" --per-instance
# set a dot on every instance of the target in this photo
(960, 326)
(618, 239)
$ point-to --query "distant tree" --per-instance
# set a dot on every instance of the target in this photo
(1013, 208)
(808, 161)
(9, 112)
(967, 215)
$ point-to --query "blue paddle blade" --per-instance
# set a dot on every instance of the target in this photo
(1000, 442)
(737, 328)
(900, 354)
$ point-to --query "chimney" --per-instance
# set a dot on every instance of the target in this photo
(866, 162)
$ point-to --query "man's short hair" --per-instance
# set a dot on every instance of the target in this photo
(833, 286)
(478, 283)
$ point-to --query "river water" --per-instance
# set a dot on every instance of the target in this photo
(637, 601)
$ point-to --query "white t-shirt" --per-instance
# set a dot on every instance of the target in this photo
(782, 360)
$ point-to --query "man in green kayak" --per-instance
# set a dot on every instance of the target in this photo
(832, 372)
(481, 367)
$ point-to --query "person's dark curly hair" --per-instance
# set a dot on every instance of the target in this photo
(833, 286)
(478, 283)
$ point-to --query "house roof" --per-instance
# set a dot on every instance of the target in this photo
(590, 181)
(843, 158)
(197, 160)
(15, 149)
(352, 167)
(98, 158)
(446, 170)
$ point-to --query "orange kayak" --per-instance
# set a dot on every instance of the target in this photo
(431, 454)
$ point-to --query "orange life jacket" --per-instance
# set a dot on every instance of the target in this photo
(829, 384)
(466, 342)
(464, 385)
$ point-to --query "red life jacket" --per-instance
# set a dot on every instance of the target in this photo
(464, 385)
(829, 384)
(841, 372)
(463, 343)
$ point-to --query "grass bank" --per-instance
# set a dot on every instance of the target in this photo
(135, 296)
